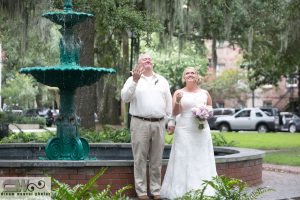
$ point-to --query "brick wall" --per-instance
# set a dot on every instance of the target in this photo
(249, 171)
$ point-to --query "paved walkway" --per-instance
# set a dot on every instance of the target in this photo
(15, 130)
(285, 180)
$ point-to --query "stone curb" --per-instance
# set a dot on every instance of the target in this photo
(281, 168)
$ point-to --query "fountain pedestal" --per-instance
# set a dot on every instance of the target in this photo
(67, 145)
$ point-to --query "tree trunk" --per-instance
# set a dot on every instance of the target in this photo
(125, 45)
(85, 97)
(109, 108)
(39, 98)
(109, 105)
(298, 97)
(214, 59)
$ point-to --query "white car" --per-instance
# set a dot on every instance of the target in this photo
(248, 119)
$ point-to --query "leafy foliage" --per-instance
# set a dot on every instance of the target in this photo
(25, 39)
(27, 137)
(172, 62)
(230, 84)
(108, 134)
(220, 140)
(168, 138)
(88, 191)
(19, 90)
(225, 188)
(270, 45)
(13, 118)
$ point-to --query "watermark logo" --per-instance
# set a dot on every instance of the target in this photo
(23, 188)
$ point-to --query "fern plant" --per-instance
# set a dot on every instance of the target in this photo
(225, 189)
(63, 191)
(196, 194)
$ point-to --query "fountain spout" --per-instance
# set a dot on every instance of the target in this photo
(68, 5)
(69, 47)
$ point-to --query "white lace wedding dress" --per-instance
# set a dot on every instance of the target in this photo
(192, 155)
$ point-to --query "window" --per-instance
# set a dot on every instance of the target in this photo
(291, 82)
(267, 104)
(220, 68)
(245, 113)
(228, 112)
(220, 44)
(268, 113)
(220, 104)
(258, 114)
(217, 112)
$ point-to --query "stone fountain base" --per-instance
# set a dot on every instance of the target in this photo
(22, 160)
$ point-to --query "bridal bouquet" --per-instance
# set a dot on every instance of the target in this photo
(202, 113)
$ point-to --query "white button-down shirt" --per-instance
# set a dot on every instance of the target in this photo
(149, 97)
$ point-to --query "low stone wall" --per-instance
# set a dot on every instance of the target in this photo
(250, 171)
(244, 164)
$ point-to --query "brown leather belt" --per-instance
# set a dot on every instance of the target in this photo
(149, 119)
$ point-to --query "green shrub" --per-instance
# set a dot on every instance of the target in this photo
(88, 191)
(12, 118)
(108, 134)
(28, 137)
(169, 138)
(219, 140)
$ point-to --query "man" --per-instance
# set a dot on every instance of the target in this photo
(150, 103)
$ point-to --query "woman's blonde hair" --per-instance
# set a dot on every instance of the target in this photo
(199, 78)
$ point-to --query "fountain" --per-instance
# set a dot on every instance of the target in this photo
(67, 153)
(67, 76)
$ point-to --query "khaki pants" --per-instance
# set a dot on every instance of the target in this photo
(148, 142)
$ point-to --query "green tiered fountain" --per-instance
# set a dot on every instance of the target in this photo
(67, 76)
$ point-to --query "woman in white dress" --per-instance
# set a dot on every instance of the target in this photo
(192, 156)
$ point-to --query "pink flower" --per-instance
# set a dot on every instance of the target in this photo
(202, 113)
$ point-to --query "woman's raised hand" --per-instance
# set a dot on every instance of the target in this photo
(179, 97)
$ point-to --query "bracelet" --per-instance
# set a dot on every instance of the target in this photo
(177, 102)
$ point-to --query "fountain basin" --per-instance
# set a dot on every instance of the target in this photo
(67, 18)
(64, 77)
(22, 160)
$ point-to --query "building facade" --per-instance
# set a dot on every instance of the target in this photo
(281, 96)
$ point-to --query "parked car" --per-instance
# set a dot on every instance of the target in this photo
(289, 122)
(249, 119)
(274, 112)
(271, 111)
(217, 112)
(34, 112)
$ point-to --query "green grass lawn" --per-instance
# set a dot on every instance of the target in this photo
(286, 144)
(263, 140)
(284, 157)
